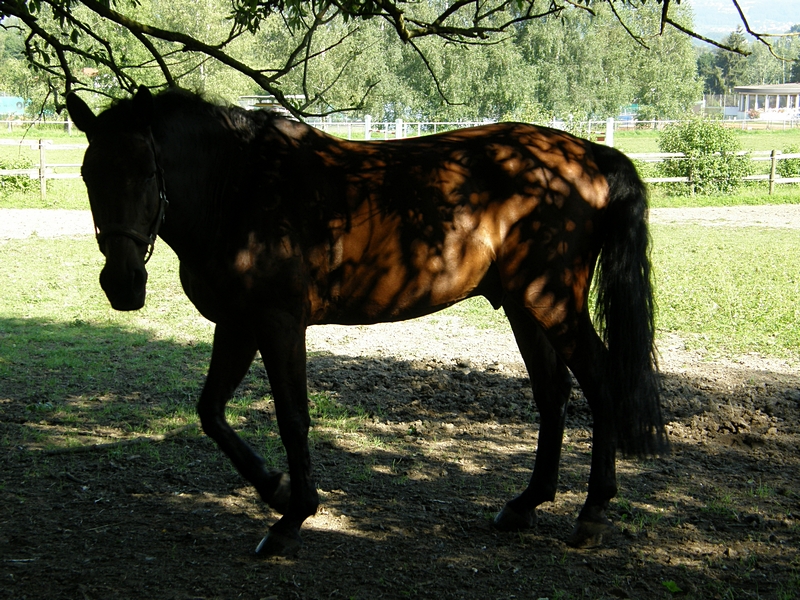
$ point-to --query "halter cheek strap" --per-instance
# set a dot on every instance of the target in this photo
(146, 240)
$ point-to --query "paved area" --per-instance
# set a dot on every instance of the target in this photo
(778, 216)
(22, 223)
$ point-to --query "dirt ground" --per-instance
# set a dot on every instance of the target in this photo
(446, 434)
(407, 496)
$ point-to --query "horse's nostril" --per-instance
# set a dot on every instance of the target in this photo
(124, 288)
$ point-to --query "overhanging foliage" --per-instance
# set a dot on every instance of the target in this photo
(133, 42)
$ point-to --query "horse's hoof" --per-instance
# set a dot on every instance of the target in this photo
(279, 544)
(589, 534)
(509, 519)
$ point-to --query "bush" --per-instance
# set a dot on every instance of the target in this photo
(17, 183)
(646, 169)
(791, 166)
(711, 162)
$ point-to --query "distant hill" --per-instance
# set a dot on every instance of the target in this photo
(715, 19)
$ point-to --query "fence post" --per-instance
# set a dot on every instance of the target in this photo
(367, 126)
(610, 132)
(42, 172)
(398, 129)
(773, 167)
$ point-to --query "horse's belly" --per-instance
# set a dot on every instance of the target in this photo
(401, 292)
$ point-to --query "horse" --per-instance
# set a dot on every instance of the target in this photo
(279, 226)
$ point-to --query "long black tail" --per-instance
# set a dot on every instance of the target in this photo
(626, 309)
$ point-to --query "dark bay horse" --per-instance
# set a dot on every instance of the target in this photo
(278, 226)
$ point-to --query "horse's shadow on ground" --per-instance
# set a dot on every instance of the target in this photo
(143, 502)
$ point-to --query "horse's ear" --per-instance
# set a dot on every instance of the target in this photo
(143, 106)
(81, 114)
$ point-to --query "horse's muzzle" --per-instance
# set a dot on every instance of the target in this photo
(125, 288)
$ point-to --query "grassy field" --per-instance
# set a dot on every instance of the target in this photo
(723, 291)
(647, 141)
(729, 291)
(61, 193)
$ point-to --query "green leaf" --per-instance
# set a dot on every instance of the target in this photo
(672, 587)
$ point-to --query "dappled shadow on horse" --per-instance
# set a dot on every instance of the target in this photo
(279, 226)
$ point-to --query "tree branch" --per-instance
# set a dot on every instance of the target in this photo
(697, 36)
(54, 45)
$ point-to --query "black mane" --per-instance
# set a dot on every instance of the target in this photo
(257, 161)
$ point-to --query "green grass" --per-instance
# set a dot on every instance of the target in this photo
(69, 194)
(75, 360)
(723, 291)
(45, 131)
(729, 291)
(756, 194)
(634, 142)
(69, 364)
(78, 362)
(61, 193)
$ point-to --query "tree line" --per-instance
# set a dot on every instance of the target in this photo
(722, 71)
(569, 63)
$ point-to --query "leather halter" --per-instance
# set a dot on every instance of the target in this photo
(148, 240)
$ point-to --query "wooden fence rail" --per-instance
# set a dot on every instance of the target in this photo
(773, 156)
(44, 170)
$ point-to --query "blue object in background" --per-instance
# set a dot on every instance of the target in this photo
(12, 105)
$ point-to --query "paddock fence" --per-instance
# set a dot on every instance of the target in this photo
(386, 130)
(44, 170)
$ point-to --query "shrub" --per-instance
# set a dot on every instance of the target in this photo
(646, 169)
(789, 167)
(17, 183)
(711, 164)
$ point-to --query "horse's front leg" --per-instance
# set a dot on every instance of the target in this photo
(233, 352)
(281, 339)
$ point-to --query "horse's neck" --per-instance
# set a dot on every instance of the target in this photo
(195, 176)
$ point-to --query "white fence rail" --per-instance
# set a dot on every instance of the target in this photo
(45, 170)
(384, 130)
(773, 156)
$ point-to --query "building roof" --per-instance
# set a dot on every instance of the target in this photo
(780, 88)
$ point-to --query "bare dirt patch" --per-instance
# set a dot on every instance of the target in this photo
(407, 495)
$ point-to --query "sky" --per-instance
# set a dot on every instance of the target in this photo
(717, 18)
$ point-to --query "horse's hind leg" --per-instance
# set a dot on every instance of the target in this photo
(281, 339)
(233, 352)
(551, 384)
(587, 358)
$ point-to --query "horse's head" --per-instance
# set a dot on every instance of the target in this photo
(126, 192)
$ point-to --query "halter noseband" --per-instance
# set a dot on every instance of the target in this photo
(150, 239)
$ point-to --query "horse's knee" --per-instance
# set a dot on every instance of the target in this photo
(209, 420)
(274, 487)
